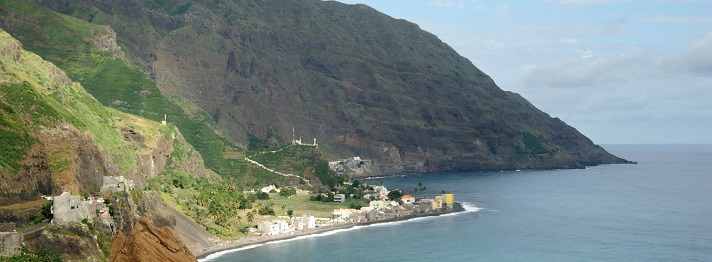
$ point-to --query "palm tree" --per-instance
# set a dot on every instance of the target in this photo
(251, 216)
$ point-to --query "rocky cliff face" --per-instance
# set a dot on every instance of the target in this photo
(55, 137)
(148, 243)
(359, 81)
(73, 242)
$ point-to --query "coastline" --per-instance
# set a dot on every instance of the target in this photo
(260, 240)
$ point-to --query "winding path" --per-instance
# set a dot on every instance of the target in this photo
(274, 171)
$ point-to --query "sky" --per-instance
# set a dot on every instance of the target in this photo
(619, 71)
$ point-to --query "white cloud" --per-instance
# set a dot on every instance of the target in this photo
(644, 88)
(696, 60)
(585, 53)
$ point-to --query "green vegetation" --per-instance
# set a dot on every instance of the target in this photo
(116, 83)
(395, 194)
(215, 205)
(45, 213)
(304, 161)
(353, 192)
(15, 138)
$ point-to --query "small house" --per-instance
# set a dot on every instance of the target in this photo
(408, 199)
(339, 198)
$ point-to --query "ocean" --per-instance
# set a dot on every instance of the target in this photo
(657, 210)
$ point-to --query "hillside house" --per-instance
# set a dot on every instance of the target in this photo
(71, 208)
(339, 198)
(269, 188)
(117, 184)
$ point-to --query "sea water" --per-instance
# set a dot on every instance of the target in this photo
(657, 210)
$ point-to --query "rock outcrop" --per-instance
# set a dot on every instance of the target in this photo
(72, 242)
(148, 243)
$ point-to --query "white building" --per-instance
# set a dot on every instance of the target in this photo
(382, 204)
(303, 223)
(71, 208)
(274, 227)
(117, 184)
(339, 198)
(345, 214)
(269, 188)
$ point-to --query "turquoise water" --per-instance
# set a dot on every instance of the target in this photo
(658, 210)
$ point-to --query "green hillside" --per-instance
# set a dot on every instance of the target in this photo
(87, 54)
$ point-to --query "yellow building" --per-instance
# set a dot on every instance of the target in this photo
(447, 199)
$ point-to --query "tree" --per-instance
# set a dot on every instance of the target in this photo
(262, 196)
(420, 188)
(266, 211)
(395, 194)
(288, 191)
(251, 216)
(290, 213)
(283, 208)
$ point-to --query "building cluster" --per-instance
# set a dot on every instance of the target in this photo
(68, 208)
(352, 166)
(276, 227)
(72, 208)
(299, 141)
(117, 184)
(388, 209)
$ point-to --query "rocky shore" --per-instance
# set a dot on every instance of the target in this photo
(258, 240)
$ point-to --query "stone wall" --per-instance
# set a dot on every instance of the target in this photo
(10, 243)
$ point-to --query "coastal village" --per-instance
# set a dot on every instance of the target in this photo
(380, 208)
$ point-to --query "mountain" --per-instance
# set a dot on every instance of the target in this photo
(89, 54)
(360, 82)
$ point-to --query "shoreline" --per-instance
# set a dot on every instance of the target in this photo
(261, 240)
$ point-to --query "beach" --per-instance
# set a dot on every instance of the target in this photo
(226, 245)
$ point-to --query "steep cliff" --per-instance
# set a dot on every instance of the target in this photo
(56, 138)
(148, 243)
(361, 82)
